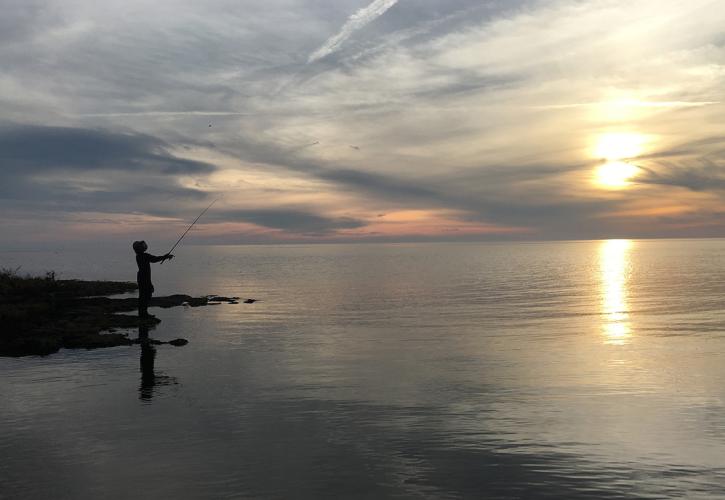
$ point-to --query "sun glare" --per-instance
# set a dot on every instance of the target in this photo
(615, 174)
(613, 147)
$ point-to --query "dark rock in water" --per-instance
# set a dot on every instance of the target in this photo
(217, 298)
(150, 341)
(147, 341)
(177, 300)
(250, 301)
(131, 303)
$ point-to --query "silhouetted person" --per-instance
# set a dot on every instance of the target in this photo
(145, 287)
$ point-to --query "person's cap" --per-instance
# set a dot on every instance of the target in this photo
(140, 246)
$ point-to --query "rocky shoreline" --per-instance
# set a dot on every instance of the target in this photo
(41, 315)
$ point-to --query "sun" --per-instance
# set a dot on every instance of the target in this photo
(615, 174)
(614, 149)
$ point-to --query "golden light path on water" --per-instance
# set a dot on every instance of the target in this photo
(614, 265)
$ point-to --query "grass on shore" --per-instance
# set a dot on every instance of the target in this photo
(17, 288)
(27, 301)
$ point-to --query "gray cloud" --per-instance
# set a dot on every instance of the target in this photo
(21, 19)
(34, 148)
(377, 184)
(293, 221)
(698, 175)
(697, 166)
(66, 169)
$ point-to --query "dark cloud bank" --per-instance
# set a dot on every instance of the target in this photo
(34, 149)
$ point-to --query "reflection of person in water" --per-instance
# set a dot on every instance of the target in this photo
(150, 378)
(143, 277)
(148, 356)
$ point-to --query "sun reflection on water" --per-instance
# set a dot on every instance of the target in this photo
(614, 264)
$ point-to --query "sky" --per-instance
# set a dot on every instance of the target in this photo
(361, 120)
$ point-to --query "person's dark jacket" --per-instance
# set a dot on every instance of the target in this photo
(143, 277)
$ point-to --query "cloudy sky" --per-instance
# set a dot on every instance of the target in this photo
(361, 120)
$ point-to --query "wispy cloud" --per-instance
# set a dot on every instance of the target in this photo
(354, 23)
(633, 103)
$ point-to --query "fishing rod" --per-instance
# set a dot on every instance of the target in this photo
(189, 228)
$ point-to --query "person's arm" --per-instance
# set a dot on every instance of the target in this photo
(160, 258)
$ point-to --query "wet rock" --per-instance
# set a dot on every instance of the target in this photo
(150, 341)
(228, 300)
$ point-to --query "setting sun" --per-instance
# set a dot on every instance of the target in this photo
(615, 149)
(615, 174)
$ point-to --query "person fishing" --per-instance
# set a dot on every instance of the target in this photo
(143, 277)
(144, 260)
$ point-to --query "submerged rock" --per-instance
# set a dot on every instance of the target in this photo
(150, 341)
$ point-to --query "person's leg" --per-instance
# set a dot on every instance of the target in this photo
(148, 302)
(144, 297)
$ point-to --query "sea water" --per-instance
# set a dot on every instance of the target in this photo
(590, 369)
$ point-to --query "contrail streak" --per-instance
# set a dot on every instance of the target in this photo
(355, 22)
(166, 113)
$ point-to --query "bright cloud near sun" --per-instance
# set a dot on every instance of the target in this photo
(619, 146)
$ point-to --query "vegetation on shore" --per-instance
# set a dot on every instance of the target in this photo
(41, 314)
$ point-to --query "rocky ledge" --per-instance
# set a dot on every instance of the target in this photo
(40, 315)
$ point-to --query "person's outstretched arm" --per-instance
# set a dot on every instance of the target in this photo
(159, 258)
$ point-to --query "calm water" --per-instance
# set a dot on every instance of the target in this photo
(554, 370)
